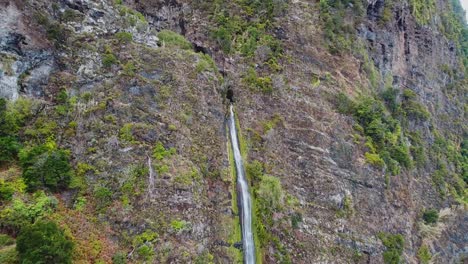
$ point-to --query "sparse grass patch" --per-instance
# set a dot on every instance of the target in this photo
(172, 39)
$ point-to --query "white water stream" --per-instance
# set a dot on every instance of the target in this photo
(243, 195)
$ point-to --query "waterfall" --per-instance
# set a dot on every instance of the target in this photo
(243, 195)
(150, 191)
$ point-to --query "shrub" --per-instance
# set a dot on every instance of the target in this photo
(296, 218)
(160, 152)
(124, 37)
(126, 133)
(108, 60)
(395, 245)
(6, 191)
(129, 69)
(45, 167)
(9, 148)
(390, 98)
(19, 214)
(269, 195)
(424, 254)
(44, 242)
(119, 258)
(431, 216)
(103, 195)
(180, 225)
(343, 104)
(374, 159)
(6, 240)
(171, 38)
(254, 170)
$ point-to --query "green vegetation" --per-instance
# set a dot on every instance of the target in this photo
(383, 133)
(262, 84)
(12, 117)
(55, 30)
(160, 152)
(423, 10)
(172, 39)
(109, 59)
(424, 255)
(246, 30)
(431, 216)
(338, 33)
(126, 134)
(268, 198)
(119, 258)
(6, 191)
(44, 242)
(394, 245)
(19, 213)
(6, 240)
(124, 37)
(412, 108)
(144, 244)
(103, 196)
(45, 166)
(180, 225)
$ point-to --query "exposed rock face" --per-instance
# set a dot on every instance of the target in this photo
(26, 63)
(132, 95)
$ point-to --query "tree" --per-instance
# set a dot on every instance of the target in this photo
(43, 242)
(45, 168)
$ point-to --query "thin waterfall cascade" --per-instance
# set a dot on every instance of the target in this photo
(150, 191)
(243, 195)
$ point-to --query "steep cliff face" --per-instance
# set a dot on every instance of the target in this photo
(352, 117)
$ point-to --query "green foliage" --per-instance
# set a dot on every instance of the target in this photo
(55, 30)
(8, 256)
(412, 108)
(296, 218)
(270, 193)
(394, 245)
(343, 104)
(244, 27)
(126, 133)
(6, 191)
(374, 159)
(423, 10)
(160, 152)
(44, 242)
(338, 33)
(45, 166)
(390, 98)
(180, 225)
(424, 255)
(254, 171)
(129, 69)
(103, 196)
(262, 84)
(16, 115)
(172, 39)
(19, 214)
(431, 216)
(9, 148)
(438, 178)
(124, 37)
(384, 136)
(6, 240)
(205, 258)
(119, 258)
(109, 59)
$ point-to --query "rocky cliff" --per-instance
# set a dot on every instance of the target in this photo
(352, 117)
